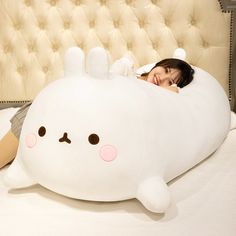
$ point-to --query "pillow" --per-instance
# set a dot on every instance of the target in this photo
(100, 136)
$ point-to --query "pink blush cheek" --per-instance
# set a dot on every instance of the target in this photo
(30, 140)
(108, 153)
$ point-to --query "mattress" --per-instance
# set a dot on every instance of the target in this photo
(204, 203)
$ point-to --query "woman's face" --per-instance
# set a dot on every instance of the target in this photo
(163, 76)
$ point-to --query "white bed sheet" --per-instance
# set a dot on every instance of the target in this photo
(204, 203)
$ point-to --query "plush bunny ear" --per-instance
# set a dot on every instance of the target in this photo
(179, 53)
(74, 62)
(97, 63)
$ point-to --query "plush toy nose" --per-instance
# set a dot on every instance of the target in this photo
(65, 138)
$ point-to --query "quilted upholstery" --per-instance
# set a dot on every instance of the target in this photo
(35, 34)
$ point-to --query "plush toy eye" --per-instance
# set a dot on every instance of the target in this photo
(93, 139)
(42, 131)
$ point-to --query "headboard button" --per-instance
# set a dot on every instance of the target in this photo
(116, 24)
(17, 26)
(155, 46)
(55, 47)
(45, 69)
(21, 70)
(129, 45)
(53, 2)
(167, 22)
(103, 2)
(106, 45)
(205, 44)
(141, 23)
(28, 3)
(92, 24)
(42, 24)
(128, 2)
(180, 44)
(7, 48)
(66, 25)
(31, 47)
(193, 22)
(80, 45)
(77, 2)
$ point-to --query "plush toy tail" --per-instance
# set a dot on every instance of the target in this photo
(233, 121)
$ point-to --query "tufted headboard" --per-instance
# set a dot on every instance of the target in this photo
(34, 35)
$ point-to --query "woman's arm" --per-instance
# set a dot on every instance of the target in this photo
(8, 148)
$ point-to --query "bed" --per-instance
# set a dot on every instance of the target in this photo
(34, 36)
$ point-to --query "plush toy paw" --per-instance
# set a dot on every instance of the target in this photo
(154, 194)
(16, 176)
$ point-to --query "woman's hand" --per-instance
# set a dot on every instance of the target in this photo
(172, 88)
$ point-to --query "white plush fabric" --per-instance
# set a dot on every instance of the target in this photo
(147, 135)
(204, 203)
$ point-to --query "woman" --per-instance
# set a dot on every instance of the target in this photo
(170, 74)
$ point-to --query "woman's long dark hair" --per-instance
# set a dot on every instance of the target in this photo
(185, 69)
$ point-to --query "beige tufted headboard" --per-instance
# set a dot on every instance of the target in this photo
(34, 35)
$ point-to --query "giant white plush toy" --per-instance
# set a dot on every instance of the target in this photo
(99, 136)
